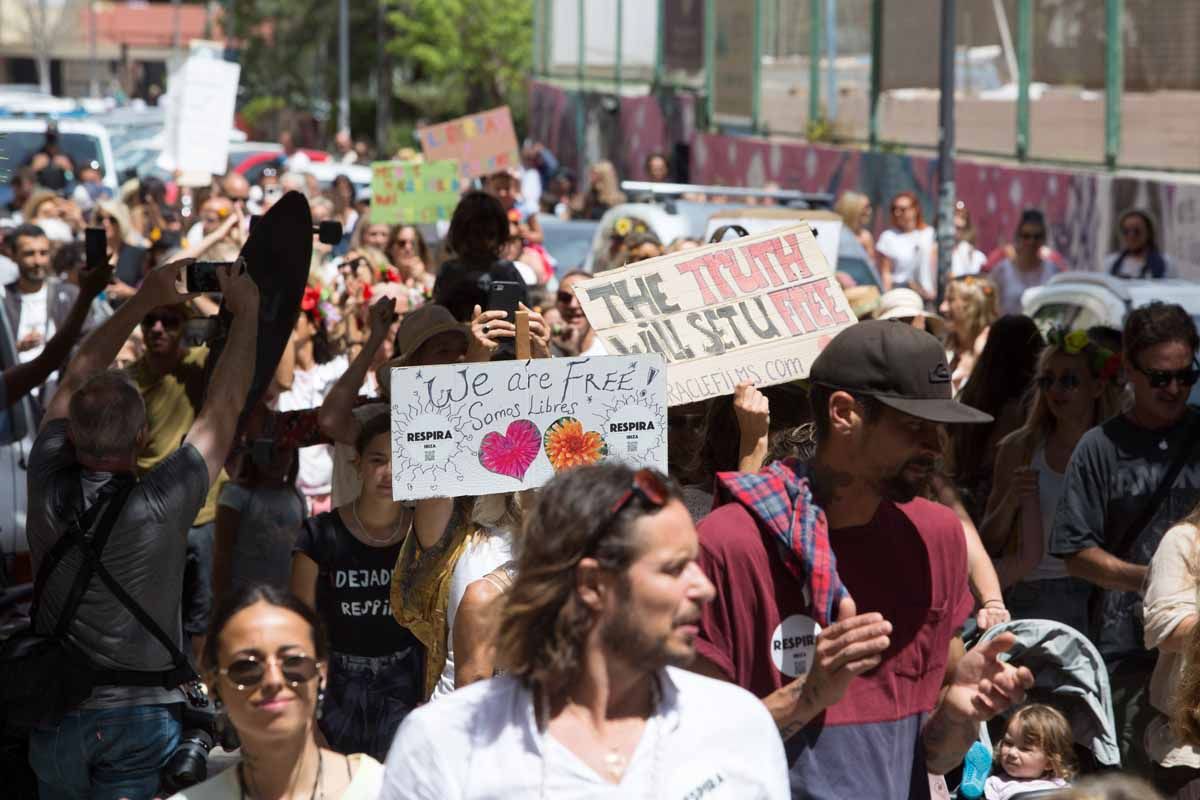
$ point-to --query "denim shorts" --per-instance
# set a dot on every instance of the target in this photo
(105, 754)
(366, 699)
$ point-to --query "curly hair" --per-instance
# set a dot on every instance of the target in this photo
(545, 622)
(982, 310)
(1046, 728)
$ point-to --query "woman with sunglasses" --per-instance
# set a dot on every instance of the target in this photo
(265, 662)
(409, 254)
(1074, 390)
(1138, 256)
(908, 251)
(1027, 267)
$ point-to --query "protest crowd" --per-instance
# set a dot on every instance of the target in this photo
(957, 556)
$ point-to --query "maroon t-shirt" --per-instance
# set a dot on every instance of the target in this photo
(910, 564)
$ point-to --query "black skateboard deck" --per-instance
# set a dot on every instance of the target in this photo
(277, 253)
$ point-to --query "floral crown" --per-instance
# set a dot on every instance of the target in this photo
(1103, 362)
(311, 302)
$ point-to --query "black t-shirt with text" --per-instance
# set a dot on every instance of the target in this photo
(1115, 470)
(353, 588)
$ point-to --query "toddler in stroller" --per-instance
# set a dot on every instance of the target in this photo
(1036, 753)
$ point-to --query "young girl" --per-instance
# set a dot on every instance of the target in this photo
(1034, 754)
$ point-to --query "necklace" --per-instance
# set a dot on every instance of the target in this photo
(614, 762)
(392, 537)
(316, 783)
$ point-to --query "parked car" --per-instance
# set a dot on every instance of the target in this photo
(1081, 300)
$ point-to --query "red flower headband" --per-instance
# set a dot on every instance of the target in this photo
(311, 302)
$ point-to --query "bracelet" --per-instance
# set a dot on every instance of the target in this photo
(997, 602)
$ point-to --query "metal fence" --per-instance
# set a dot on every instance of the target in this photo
(1112, 83)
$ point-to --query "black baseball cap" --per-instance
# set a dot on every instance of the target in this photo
(900, 366)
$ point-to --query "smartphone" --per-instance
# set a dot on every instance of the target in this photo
(202, 277)
(505, 296)
(96, 247)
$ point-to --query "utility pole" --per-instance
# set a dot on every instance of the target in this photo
(93, 65)
(383, 85)
(343, 116)
(945, 223)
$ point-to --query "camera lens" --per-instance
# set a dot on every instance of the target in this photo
(188, 765)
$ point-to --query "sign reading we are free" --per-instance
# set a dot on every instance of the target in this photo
(758, 308)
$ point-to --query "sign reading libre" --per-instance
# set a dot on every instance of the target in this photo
(481, 143)
(758, 308)
(412, 192)
(471, 429)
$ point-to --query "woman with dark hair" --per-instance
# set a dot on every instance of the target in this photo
(409, 254)
(265, 661)
(306, 372)
(342, 567)
(343, 195)
(997, 386)
(479, 230)
(1139, 256)
(1027, 268)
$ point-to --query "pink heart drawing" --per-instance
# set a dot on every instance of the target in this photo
(512, 452)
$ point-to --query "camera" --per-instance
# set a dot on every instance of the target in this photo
(204, 727)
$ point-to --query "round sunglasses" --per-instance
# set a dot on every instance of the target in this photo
(249, 671)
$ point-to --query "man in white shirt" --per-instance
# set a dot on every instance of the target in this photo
(607, 597)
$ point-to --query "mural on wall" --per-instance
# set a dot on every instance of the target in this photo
(1081, 208)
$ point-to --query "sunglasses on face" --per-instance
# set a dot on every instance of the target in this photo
(169, 321)
(105, 220)
(249, 671)
(1033, 236)
(406, 243)
(565, 297)
(1068, 381)
(901, 209)
(1162, 378)
(1132, 231)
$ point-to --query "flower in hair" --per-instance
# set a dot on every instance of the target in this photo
(1075, 342)
(311, 302)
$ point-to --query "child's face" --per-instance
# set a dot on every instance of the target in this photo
(1021, 760)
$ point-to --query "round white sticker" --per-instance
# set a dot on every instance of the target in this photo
(793, 645)
(428, 439)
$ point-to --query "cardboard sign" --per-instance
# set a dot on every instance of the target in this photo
(413, 193)
(472, 429)
(759, 308)
(481, 143)
(201, 97)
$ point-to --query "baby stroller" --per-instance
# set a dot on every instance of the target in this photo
(1070, 676)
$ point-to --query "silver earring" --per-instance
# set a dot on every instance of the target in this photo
(320, 700)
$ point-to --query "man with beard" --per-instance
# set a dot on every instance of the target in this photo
(170, 378)
(859, 703)
(605, 602)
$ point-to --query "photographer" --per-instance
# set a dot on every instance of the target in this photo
(114, 743)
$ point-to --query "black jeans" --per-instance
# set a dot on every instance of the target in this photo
(366, 699)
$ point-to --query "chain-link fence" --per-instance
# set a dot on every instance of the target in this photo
(1113, 82)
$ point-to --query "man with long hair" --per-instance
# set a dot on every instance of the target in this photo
(606, 601)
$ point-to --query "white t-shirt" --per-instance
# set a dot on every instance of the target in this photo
(365, 785)
(480, 557)
(8, 272)
(1012, 282)
(34, 317)
(1132, 266)
(597, 348)
(309, 388)
(1051, 485)
(966, 260)
(708, 738)
(911, 254)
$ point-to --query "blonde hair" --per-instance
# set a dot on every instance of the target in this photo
(982, 310)
(1046, 728)
(606, 187)
(120, 212)
(29, 212)
(1039, 421)
(850, 207)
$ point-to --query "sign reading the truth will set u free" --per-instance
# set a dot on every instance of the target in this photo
(758, 308)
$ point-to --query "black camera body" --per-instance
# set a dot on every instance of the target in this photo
(204, 727)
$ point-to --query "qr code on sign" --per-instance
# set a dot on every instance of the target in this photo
(631, 444)
(430, 454)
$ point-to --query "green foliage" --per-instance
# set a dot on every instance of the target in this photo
(259, 110)
(820, 130)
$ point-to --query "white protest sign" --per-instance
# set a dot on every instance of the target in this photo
(201, 97)
(758, 308)
(473, 429)
(826, 225)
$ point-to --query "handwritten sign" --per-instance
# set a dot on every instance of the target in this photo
(471, 429)
(759, 308)
(481, 143)
(412, 192)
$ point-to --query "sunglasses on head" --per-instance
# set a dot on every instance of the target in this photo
(646, 485)
(1068, 381)
(249, 671)
(169, 321)
(1162, 378)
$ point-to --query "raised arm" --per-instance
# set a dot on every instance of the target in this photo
(752, 410)
(160, 288)
(212, 432)
(21, 379)
(336, 418)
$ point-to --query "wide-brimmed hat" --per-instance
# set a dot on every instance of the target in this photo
(419, 327)
(904, 304)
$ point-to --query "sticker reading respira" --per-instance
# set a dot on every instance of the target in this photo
(793, 645)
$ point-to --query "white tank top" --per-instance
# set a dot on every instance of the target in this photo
(1050, 489)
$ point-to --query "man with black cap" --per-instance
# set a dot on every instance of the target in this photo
(870, 704)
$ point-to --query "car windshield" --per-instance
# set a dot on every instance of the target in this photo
(19, 147)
